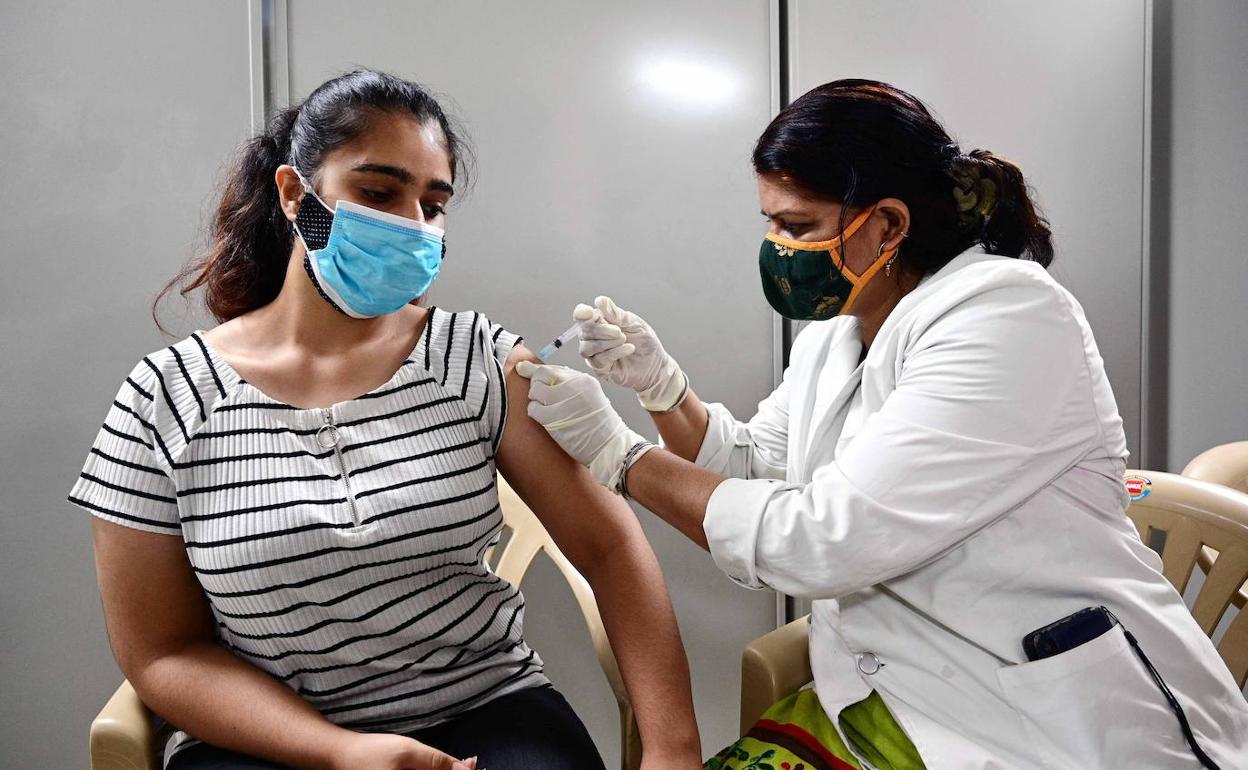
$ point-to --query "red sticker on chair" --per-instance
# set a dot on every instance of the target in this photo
(1138, 487)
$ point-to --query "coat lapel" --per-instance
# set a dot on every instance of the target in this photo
(831, 379)
(832, 375)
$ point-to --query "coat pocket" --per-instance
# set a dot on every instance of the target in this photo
(1096, 706)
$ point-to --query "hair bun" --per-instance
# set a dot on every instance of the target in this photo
(974, 191)
(949, 154)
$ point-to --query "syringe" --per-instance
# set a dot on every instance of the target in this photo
(558, 342)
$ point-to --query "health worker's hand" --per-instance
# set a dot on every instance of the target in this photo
(623, 349)
(572, 408)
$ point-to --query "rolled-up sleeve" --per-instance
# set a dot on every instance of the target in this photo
(991, 404)
(734, 515)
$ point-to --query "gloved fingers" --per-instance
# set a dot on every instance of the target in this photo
(528, 369)
(602, 373)
(560, 417)
(559, 384)
(601, 330)
(605, 358)
(611, 313)
(584, 312)
(596, 335)
(547, 393)
(586, 422)
(559, 406)
(592, 347)
(544, 414)
(543, 375)
(630, 322)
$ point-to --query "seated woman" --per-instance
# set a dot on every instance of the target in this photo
(291, 509)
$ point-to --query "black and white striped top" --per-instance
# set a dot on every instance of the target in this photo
(340, 548)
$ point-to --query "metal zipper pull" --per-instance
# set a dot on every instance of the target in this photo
(329, 436)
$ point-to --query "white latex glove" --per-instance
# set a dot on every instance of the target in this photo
(622, 348)
(572, 408)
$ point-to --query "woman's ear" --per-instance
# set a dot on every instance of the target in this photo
(896, 216)
(289, 190)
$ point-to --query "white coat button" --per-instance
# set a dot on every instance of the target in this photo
(869, 664)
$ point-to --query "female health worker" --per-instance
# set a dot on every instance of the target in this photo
(940, 470)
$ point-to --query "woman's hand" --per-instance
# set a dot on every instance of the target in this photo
(623, 349)
(572, 408)
(380, 751)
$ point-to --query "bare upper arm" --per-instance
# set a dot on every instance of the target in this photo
(585, 520)
(153, 604)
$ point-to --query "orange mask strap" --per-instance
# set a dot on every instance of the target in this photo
(834, 247)
(862, 280)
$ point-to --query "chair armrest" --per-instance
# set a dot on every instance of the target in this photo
(773, 667)
(122, 734)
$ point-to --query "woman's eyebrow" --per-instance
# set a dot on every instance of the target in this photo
(403, 175)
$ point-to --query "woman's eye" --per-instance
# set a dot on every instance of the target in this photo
(375, 196)
(433, 210)
(790, 228)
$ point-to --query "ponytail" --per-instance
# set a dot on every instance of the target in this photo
(245, 265)
(994, 203)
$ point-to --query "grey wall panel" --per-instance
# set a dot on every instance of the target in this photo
(114, 120)
(613, 144)
(1207, 274)
(1058, 87)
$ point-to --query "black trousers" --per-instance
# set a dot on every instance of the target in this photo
(533, 729)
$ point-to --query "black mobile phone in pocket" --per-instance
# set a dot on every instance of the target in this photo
(1068, 633)
(1093, 622)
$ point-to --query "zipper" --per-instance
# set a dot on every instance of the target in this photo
(329, 436)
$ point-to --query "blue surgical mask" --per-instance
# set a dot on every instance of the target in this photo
(366, 263)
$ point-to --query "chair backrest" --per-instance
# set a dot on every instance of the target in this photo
(526, 538)
(1226, 465)
(1194, 515)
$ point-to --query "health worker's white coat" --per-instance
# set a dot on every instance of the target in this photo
(957, 489)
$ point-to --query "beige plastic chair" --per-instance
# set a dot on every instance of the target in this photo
(124, 735)
(773, 667)
(1227, 465)
(1192, 514)
(1196, 515)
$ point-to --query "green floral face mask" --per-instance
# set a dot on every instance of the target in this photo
(807, 281)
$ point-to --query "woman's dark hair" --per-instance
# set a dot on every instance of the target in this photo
(858, 141)
(245, 263)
